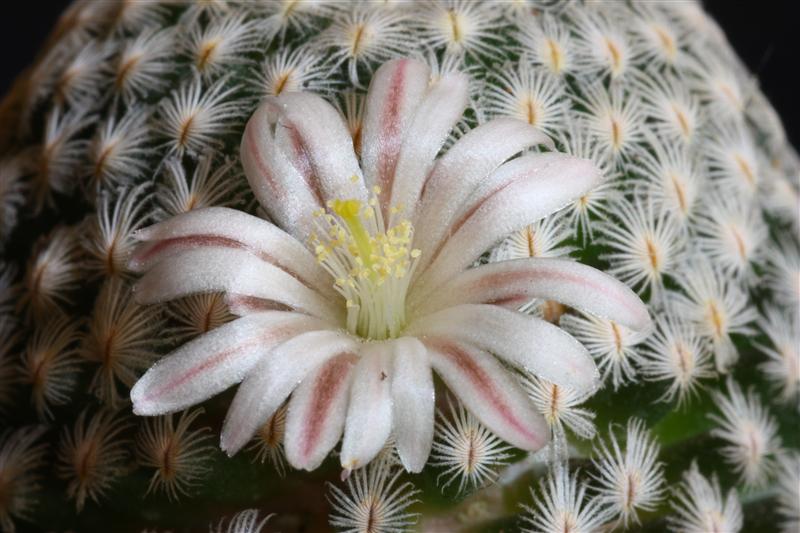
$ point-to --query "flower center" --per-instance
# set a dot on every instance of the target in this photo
(371, 265)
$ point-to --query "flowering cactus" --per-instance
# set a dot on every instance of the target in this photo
(437, 266)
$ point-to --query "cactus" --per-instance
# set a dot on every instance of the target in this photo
(178, 179)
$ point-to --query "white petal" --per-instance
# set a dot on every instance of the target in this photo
(213, 362)
(221, 227)
(369, 415)
(489, 392)
(280, 188)
(521, 192)
(466, 164)
(413, 403)
(435, 117)
(274, 378)
(316, 414)
(519, 281)
(313, 135)
(522, 340)
(396, 90)
(233, 271)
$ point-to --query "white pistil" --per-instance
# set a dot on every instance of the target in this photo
(370, 264)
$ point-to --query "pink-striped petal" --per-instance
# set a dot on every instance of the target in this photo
(489, 392)
(413, 403)
(513, 283)
(213, 362)
(221, 227)
(524, 341)
(466, 164)
(436, 115)
(312, 134)
(274, 378)
(519, 193)
(369, 414)
(396, 90)
(288, 198)
(316, 414)
(231, 271)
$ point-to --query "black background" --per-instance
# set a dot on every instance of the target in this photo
(764, 33)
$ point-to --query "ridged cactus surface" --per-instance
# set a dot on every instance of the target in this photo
(310, 265)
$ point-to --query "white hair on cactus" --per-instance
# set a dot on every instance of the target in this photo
(731, 233)
(560, 406)
(460, 27)
(374, 500)
(222, 44)
(179, 455)
(119, 150)
(119, 341)
(670, 104)
(197, 314)
(247, 521)
(749, 432)
(646, 244)
(594, 205)
(528, 93)
(788, 474)
(53, 272)
(782, 367)
(92, 455)
(629, 480)
(732, 160)
(716, 305)
(615, 119)
(59, 156)
(674, 181)
(22, 455)
(50, 364)
(613, 346)
(78, 85)
(604, 48)
(291, 70)
(179, 193)
(466, 450)
(194, 117)
(563, 506)
(548, 42)
(366, 34)
(675, 353)
(110, 238)
(657, 40)
(144, 63)
(782, 275)
(700, 506)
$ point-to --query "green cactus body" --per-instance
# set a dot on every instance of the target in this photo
(134, 114)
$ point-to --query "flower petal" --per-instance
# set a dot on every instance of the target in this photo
(274, 378)
(369, 415)
(315, 138)
(413, 403)
(518, 281)
(519, 193)
(316, 414)
(522, 340)
(436, 115)
(221, 227)
(394, 94)
(467, 163)
(232, 271)
(213, 362)
(280, 188)
(489, 392)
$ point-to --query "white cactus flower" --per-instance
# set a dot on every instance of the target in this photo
(349, 300)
